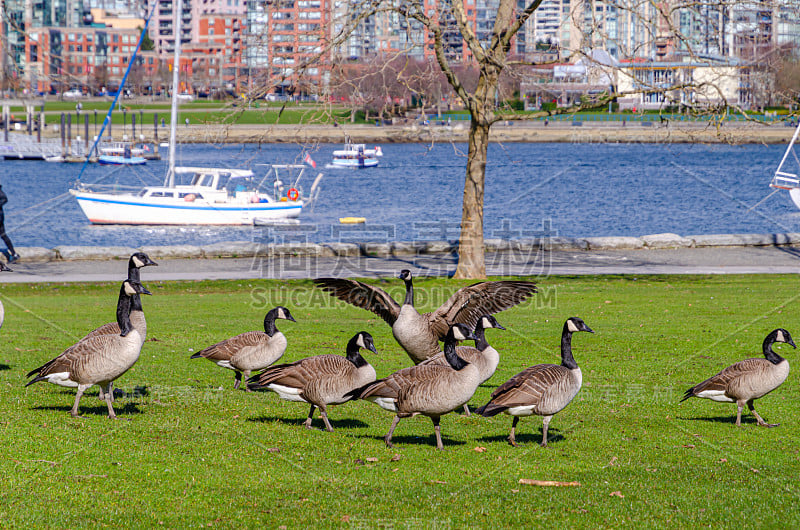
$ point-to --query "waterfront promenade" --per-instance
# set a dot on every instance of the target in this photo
(708, 260)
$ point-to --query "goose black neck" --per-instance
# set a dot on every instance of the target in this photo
(269, 323)
(567, 360)
(124, 312)
(769, 353)
(136, 302)
(353, 353)
(456, 362)
(480, 336)
(409, 292)
(133, 273)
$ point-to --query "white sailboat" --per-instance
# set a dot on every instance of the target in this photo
(787, 176)
(212, 196)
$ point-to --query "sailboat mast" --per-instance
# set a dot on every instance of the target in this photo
(173, 117)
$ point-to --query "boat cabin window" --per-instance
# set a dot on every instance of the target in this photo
(162, 194)
(238, 184)
(201, 179)
(189, 196)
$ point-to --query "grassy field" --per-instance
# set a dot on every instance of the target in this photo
(201, 112)
(196, 453)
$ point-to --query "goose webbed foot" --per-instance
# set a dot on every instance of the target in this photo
(759, 419)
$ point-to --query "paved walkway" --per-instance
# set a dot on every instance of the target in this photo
(733, 260)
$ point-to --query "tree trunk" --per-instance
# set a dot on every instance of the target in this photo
(471, 262)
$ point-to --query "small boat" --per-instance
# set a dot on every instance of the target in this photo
(121, 148)
(356, 156)
(121, 154)
(115, 160)
(787, 176)
(352, 220)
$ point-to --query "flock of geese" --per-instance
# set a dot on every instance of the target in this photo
(440, 381)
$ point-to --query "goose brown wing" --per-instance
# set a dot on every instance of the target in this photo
(112, 328)
(291, 374)
(226, 349)
(362, 295)
(468, 304)
(528, 386)
(392, 385)
(468, 353)
(77, 358)
(723, 379)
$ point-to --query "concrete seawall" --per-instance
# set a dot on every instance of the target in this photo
(521, 131)
(245, 249)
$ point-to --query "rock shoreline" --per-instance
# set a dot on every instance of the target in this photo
(246, 249)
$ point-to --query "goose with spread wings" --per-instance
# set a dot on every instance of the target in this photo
(419, 334)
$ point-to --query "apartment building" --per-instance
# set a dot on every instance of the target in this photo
(59, 58)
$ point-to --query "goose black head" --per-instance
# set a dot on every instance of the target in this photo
(460, 332)
(488, 321)
(133, 287)
(364, 340)
(404, 275)
(282, 312)
(574, 324)
(781, 335)
(139, 260)
(279, 312)
(4, 267)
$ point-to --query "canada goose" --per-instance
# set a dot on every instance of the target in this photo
(97, 360)
(250, 351)
(748, 380)
(483, 356)
(544, 389)
(321, 380)
(419, 334)
(3, 267)
(136, 262)
(428, 389)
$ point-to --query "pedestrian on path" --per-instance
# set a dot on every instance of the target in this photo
(9, 252)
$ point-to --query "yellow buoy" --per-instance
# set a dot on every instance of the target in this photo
(352, 220)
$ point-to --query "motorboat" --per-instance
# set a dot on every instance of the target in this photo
(356, 156)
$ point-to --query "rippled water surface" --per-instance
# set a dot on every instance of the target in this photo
(583, 189)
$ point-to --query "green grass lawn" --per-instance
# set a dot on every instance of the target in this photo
(200, 112)
(197, 453)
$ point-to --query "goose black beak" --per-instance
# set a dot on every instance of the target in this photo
(791, 342)
(144, 291)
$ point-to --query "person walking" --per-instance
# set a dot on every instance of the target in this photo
(9, 253)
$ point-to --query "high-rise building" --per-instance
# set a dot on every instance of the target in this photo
(161, 29)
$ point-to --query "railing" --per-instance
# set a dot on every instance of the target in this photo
(620, 117)
(110, 189)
